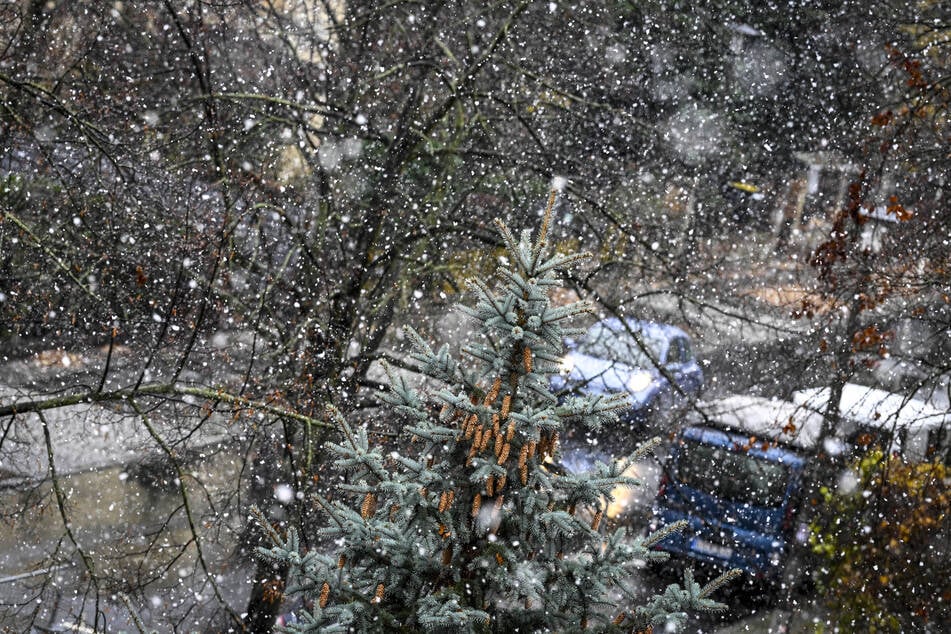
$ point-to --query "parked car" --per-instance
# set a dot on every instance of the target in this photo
(737, 478)
(643, 358)
(738, 472)
(909, 427)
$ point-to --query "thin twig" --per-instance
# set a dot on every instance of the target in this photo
(186, 502)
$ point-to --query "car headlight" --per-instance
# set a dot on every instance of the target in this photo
(567, 364)
(639, 382)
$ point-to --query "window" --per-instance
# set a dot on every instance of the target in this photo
(735, 476)
(679, 352)
(687, 351)
(603, 343)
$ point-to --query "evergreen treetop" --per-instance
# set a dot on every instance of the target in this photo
(470, 526)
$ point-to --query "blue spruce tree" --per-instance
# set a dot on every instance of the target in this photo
(468, 527)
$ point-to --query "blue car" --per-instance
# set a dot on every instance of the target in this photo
(737, 478)
(739, 501)
(641, 358)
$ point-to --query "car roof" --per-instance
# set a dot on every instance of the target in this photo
(649, 329)
(730, 440)
(765, 418)
(872, 407)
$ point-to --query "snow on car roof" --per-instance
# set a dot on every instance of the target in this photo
(778, 420)
(875, 408)
(648, 328)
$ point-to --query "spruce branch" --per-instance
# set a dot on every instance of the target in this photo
(329, 509)
(664, 532)
(511, 244)
(542, 241)
(341, 422)
(719, 582)
(645, 448)
(561, 261)
(262, 522)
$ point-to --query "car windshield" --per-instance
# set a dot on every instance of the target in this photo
(603, 343)
(735, 476)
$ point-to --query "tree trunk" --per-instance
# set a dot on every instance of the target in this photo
(264, 605)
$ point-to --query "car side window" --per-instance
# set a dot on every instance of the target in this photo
(687, 353)
(679, 352)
